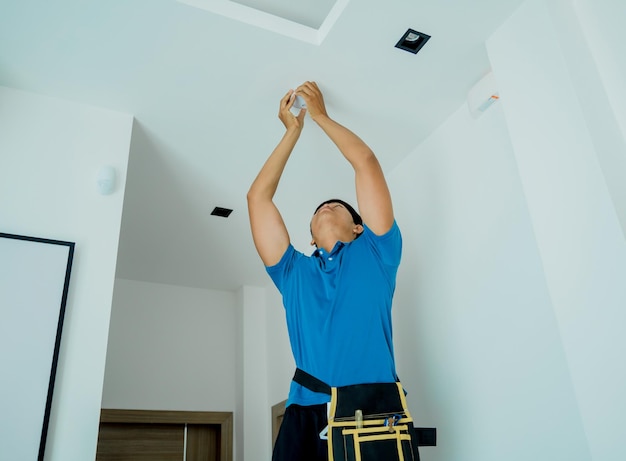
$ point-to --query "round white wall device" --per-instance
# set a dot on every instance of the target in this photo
(106, 180)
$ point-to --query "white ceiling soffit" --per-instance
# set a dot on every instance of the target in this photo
(271, 16)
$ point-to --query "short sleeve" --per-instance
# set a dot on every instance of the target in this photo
(388, 245)
(281, 270)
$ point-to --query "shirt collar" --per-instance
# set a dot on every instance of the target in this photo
(322, 253)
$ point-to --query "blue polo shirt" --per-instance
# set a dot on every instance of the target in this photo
(338, 310)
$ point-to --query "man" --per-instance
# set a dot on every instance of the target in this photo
(338, 300)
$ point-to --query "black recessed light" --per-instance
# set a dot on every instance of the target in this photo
(223, 212)
(412, 41)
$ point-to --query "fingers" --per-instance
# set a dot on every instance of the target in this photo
(301, 115)
(286, 116)
(308, 89)
(310, 92)
(287, 101)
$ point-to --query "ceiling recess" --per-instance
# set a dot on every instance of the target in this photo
(222, 212)
(311, 13)
(412, 41)
(309, 22)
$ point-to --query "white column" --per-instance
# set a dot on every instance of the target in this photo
(602, 22)
(256, 442)
(588, 33)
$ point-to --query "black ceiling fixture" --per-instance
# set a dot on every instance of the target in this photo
(223, 212)
(412, 41)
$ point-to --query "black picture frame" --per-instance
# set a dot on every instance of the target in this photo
(34, 279)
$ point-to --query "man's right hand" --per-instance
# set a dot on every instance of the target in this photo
(286, 116)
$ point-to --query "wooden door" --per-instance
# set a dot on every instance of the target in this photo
(137, 435)
(202, 442)
(140, 442)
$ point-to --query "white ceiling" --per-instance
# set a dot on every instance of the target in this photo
(204, 89)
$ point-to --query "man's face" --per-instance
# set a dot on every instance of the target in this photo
(332, 214)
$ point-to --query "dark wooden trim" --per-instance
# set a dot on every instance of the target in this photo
(278, 412)
(222, 418)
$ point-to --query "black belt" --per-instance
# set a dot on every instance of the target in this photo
(426, 436)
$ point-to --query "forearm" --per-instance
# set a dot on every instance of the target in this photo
(372, 192)
(265, 185)
(349, 144)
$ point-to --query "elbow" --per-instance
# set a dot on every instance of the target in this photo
(255, 195)
(254, 192)
(366, 161)
(251, 196)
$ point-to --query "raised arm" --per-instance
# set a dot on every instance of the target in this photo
(268, 228)
(374, 199)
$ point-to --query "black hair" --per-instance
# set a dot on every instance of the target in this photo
(355, 216)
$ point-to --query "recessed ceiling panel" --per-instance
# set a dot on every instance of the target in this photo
(306, 20)
(311, 13)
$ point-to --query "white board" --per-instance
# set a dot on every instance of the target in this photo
(34, 281)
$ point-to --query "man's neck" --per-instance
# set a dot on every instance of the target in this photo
(329, 243)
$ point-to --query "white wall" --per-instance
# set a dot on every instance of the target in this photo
(573, 213)
(477, 343)
(170, 348)
(50, 153)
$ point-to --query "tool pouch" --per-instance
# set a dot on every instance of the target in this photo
(381, 430)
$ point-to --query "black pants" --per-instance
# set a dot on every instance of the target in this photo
(298, 438)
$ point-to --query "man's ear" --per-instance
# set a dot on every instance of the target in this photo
(358, 229)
